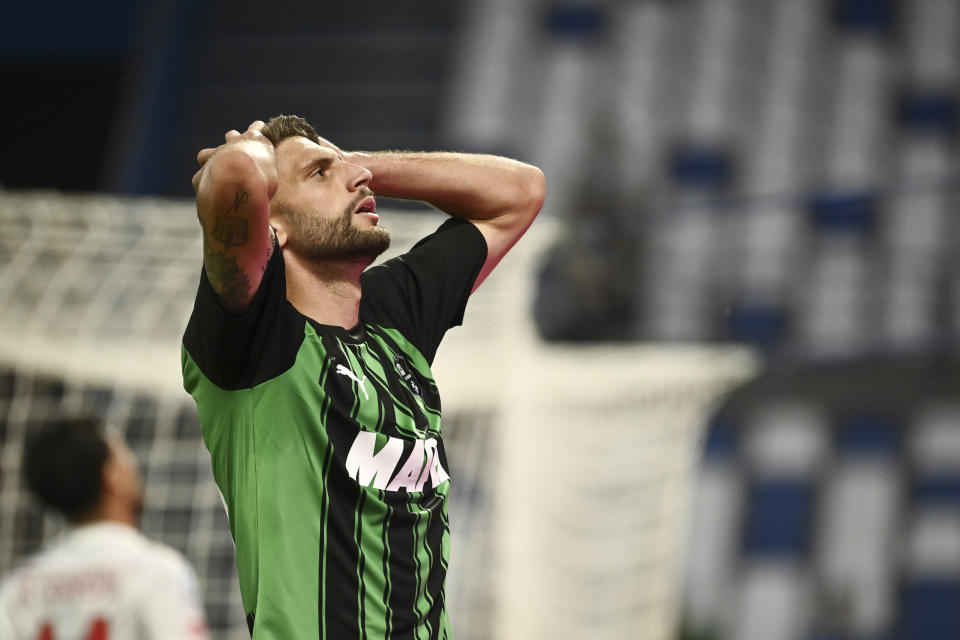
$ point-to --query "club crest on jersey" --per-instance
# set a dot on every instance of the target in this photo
(383, 469)
(405, 372)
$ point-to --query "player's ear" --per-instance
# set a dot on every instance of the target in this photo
(279, 232)
(110, 475)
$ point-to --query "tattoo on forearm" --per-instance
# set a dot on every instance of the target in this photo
(240, 199)
(231, 231)
(227, 278)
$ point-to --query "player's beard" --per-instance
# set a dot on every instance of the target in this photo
(334, 238)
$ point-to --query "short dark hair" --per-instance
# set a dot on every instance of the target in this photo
(281, 127)
(63, 460)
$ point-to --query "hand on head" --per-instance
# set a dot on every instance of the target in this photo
(232, 137)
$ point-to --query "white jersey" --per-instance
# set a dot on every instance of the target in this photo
(103, 581)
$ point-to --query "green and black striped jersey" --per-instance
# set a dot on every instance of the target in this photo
(327, 445)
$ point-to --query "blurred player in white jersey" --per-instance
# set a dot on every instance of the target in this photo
(104, 580)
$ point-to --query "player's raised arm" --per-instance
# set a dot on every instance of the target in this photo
(234, 185)
(499, 195)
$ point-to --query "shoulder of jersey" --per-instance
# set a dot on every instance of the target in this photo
(171, 562)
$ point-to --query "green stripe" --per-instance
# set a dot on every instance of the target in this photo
(361, 561)
(328, 458)
(373, 516)
(386, 568)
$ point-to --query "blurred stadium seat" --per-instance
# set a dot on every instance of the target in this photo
(825, 118)
(842, 519)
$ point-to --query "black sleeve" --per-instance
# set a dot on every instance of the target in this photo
(239, 351)
(424, 292)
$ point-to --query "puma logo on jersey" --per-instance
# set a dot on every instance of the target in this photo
(345, 371)
(382, 469)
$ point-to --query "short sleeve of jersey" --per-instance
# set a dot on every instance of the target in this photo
(424, 292)
(238, 351)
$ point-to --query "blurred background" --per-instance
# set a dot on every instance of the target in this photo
(714, 394)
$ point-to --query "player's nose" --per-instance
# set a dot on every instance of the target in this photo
(358, 176)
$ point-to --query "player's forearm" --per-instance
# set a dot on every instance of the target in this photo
(233, 203)
(239, 179)
(476, 187)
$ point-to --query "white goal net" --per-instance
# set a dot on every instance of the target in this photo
(571, 465)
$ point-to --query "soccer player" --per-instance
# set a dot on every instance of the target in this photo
(104, 579)
(311, 373)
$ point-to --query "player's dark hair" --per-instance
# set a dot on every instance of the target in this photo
(63, 461)
(280, 127)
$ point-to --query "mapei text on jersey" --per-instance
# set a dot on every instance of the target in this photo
(382, 469)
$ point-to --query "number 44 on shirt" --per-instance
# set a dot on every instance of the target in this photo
(98, 631)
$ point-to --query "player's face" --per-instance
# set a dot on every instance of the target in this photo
(323, 205)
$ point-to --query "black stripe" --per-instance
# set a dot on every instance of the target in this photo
(341, 552)
(321, 586)
(418, 541)
(342, 555)
(361, 566)
(436, 527)
(403, 570)
(324, 504)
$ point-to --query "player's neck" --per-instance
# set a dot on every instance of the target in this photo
(121, 514)
(326, 291)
